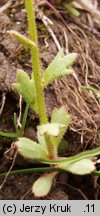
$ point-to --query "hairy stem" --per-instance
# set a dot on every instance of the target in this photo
(53, 154)
(36, 74)
(35, 61)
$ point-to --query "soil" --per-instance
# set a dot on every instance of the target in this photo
(80, 35)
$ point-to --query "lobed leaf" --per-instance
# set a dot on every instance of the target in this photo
(50, 128)
(26, 87)
(60, 116)
(58, 67)
(31, 150)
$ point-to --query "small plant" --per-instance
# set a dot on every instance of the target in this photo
(49, 134)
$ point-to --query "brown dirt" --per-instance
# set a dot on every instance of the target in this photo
(77, 36)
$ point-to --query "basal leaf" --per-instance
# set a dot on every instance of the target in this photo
(42, 186)
(31, 150)
(81, 167)
(58, 67)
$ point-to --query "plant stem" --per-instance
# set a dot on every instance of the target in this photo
(35, 61)
(75, 158)
(13, 135)
(53, 154)
(31, 170)
(36, 73)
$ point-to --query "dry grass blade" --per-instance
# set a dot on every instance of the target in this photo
(5, 6)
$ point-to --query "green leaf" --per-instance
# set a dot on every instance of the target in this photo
(58, 67)
(22, 39)
(26, 87)
(60, 116)
(10, 135)
(51, 129)
(31, 150)
(83, 155)
(72, 10)
(99, 136)
(42, 186)
(81, 167)
(96, 173)
(90, 88)
(41, 140)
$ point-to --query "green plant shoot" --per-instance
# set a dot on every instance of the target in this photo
(49, 134)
